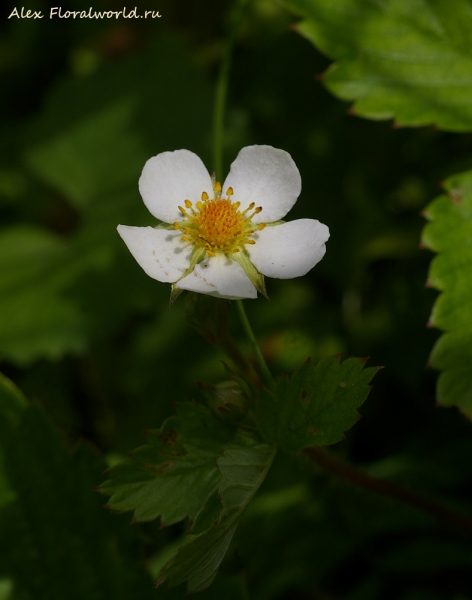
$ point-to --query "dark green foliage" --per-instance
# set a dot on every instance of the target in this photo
(316, 405)
(243, 469)
(190, 460)
(89, 146)
(90, 340)
(61, 543)
(175, 474)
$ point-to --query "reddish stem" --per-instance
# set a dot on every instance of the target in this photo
(444, 514)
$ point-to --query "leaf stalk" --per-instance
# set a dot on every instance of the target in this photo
(448, 516)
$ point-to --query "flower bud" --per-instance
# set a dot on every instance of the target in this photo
(226, 399)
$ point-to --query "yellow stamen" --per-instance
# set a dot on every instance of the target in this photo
(218, 225)
(249, 208)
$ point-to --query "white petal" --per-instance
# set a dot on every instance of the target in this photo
(160, 252)
(169, 179)
(266, 176)
(290, 249)
(219, 276)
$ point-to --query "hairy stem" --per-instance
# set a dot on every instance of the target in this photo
(444, 514)
(221, 94)
(221, 91)
(255, 346)
(224, 340)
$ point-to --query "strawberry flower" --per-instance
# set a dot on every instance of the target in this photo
(222, 240)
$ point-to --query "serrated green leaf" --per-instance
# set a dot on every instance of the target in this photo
(316, 405)
(411, 61)
(175, 474)
(55, 530)
(243, 469)
(449, 233)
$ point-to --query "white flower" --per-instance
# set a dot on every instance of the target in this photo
(222, 240)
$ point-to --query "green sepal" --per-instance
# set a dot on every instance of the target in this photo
(242, 382)
(162, 225)
(256, 278)
(174, 294)
(198, 254)
(316, 405)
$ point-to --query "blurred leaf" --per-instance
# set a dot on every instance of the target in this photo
(6, 588)
(12, 404)
(96, 132)
(424, 555)
(89, 145)
(56, 530)
(97, 155)
(173, 476)
(411, 61)
(209, 316)
(449, 233)
(229, 588)
(316, 405)
(36, 317)
(242, 469)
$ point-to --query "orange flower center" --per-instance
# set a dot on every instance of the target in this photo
(217, 224)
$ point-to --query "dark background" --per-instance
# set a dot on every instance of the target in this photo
(85, 334)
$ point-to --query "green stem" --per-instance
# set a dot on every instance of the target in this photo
(221, 91)
(255, 346)
(221, 94)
